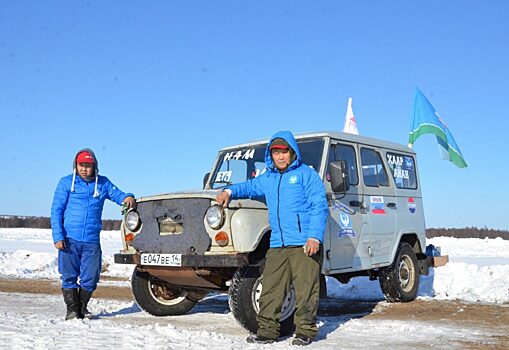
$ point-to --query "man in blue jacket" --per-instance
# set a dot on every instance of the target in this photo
(298, 211)
(76, 224)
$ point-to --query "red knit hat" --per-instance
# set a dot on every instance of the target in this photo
(85, 157)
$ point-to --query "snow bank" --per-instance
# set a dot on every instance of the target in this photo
(478, 270)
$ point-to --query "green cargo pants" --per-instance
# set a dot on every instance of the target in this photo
(284, 266)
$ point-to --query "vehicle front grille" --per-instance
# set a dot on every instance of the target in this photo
(171, 226)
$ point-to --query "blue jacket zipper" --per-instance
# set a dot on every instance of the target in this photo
(86, 212)
(278, 219)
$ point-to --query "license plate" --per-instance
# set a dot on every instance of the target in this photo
(161, 259)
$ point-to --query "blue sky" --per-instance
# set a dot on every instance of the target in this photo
(155, 88)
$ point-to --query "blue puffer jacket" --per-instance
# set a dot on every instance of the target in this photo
(77, 210)
(296, 198)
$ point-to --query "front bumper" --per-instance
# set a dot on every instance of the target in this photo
(236, 260)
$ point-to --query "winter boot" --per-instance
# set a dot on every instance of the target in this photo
(84, 299)
(72, 300)
(259, 339)
(301, 340)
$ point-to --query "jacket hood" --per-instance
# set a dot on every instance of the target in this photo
(288, 137)
(96, 169)
(96, 164)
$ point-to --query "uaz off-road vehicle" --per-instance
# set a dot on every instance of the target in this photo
(185, 245)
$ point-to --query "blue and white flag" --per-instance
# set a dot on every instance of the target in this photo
(427, 121)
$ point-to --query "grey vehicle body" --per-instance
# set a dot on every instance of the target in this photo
(185, 245)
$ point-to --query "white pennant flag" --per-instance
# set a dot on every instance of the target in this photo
(350, 124)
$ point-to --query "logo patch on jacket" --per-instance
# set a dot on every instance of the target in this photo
(293, 180)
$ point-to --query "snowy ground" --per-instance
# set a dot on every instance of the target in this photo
(478, 271)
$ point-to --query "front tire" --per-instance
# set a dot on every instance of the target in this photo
(400, 281)
(243, 299)
(157, 297)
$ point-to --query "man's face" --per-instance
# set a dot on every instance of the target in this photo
(85, 170)
(280, 157)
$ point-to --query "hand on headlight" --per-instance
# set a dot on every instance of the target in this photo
(223, 198)
(129, 202)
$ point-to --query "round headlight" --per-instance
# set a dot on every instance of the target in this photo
(215, 216)
(132, 220)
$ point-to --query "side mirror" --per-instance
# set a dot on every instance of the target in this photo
(205, 179)
(340, 182)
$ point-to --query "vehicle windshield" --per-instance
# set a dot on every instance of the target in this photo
(242, 164)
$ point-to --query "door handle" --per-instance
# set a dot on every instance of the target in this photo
(355, 203)
(391, 205)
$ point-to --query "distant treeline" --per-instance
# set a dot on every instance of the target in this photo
(11, 221)
(467, 232)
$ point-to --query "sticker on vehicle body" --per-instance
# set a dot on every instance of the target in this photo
(247, 154)
(337, 205)
(411, 205)
(408, 163)
(345, 226)
(393, 159)
(400, 165)
(223, 176)
(377, 204)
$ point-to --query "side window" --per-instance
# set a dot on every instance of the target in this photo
(347, 153)
(403, 170)
(373, 171)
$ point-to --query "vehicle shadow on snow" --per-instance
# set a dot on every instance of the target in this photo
(333, 313)
(133, 309)
(214, 303)
(426, 284)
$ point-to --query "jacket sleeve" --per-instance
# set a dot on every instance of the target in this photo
(58, 207)
(115, 194)
(251, 189)
(319, 210)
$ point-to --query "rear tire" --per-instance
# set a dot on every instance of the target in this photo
(243, 297)
(400, 281)
(157, 297)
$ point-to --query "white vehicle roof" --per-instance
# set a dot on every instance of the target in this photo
(370, 141)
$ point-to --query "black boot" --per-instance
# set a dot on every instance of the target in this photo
(84, 299)
(259, 339)
(72, 300)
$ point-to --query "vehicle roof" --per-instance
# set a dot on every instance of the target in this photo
(370, 141)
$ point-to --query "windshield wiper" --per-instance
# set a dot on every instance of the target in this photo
(223, 182)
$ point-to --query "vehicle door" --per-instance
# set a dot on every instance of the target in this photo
(348, 241)
(403, 169)
(380, 199)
